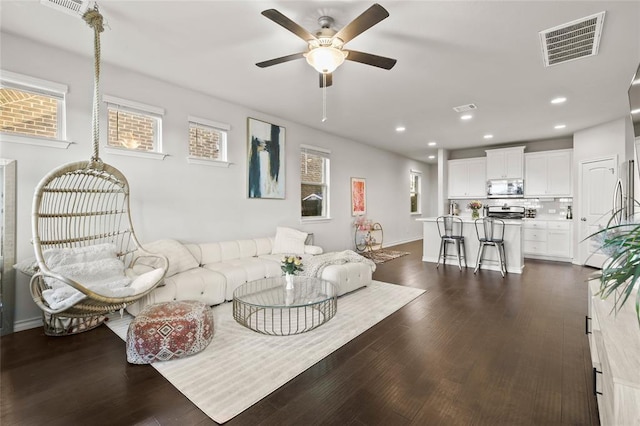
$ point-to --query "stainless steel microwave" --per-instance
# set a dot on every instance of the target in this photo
(505, 188)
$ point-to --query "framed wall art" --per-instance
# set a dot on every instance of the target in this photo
(358, 196)
(266, 152)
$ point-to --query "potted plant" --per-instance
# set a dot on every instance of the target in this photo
(620, 273)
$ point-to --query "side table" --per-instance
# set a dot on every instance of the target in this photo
(368, 238)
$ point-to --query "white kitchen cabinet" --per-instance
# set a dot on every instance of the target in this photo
(505, 163)
(549, 240)
(467, 178)
(614, 341)
(559, 241)
(548, 173)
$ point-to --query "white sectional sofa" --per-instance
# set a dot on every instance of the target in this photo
(210, 272)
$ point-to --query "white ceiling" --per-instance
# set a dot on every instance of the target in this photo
(449, 53)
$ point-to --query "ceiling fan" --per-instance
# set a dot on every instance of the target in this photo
(325, 49)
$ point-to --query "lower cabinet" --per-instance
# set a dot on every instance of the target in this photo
(614, 341)
(548, 239)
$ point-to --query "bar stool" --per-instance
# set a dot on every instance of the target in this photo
(490, 232)
(450, 230)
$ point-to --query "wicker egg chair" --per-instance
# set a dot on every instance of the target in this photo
(78, 205)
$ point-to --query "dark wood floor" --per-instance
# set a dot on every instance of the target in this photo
(472, 350)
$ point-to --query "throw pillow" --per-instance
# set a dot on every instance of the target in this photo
(288, 241)
(28, 266)
(180, 258)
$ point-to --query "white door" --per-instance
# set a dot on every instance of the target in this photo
(597, 183)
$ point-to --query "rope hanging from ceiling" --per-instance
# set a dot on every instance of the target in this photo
(95, 20)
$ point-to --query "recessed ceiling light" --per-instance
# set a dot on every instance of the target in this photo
(431, 157)
(466, 117)
(635, 111)
(558, 100)
(400, 129)
(560, 126)
(432, 144)
(487, 136)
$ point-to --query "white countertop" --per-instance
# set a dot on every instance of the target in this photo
(467, 219)
(547, 218)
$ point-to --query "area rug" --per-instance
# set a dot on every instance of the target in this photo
(383, 255)
(240, 367)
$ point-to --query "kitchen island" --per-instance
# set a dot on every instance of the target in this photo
(512, 244)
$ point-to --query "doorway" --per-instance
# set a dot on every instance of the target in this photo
(597, 184)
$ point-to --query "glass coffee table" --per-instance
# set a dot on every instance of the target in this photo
(265, 306)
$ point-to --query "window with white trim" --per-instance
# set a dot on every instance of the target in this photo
(314, 182)
(415, 188)
(132, 125)
(207, 139)
(31, 107)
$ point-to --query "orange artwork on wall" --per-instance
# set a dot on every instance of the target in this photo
(358, 197)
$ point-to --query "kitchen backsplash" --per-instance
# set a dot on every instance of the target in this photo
(545, 208)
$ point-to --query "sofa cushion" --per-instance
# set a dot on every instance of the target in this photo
(288, 241)
(180, 258)
(198, 284)
(263, 245)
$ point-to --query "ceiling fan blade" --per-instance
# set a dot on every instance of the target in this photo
(287, 23)
(280, 60)
(370, 59)
(329, 79)
(366, 20)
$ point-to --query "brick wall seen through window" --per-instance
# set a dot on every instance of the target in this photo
(27, 113)
(131, 130)
(204, 142)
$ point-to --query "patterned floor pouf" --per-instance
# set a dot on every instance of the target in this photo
(169, 330)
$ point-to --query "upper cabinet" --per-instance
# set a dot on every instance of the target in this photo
(548, 173)
(505, 163)
(467, 178)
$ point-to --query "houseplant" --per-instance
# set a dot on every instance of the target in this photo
(620, 273)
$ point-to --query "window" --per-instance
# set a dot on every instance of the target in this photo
(31, 108)
(414, 191)
(314, 182)
(207, 139)
(133, 126)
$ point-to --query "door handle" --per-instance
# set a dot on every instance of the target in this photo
(584, 219)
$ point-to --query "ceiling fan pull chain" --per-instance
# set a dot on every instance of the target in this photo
(324, 97)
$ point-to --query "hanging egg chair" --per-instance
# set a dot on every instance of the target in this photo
(84, 242)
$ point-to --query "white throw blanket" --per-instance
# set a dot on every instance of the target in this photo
(314, 266)
(95, 267)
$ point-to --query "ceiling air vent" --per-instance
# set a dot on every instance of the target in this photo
(71, 7)
(463, 108)
(573, 40)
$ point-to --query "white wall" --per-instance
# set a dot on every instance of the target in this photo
(172, 199)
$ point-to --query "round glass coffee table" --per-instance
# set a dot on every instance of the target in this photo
(267, 307)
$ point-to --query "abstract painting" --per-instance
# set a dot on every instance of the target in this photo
(265, 159)
(358, 197)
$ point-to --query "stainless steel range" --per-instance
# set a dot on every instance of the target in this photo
(506, 212)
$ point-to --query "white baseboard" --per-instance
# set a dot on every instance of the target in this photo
(395, 243)
(27, 324)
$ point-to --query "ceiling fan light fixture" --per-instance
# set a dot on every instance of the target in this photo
(325, 59)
